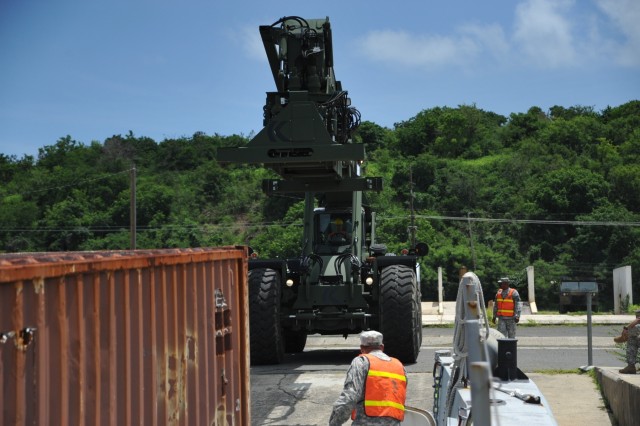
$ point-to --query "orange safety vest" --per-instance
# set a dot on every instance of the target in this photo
(385, 390)
(505, 305)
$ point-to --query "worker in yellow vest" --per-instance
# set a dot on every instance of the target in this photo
(375, 388)
(507, 308)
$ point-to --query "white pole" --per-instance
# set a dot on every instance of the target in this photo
(481, 383)
(132, 208)
(532, 290)
(622, 289)
(440, 301)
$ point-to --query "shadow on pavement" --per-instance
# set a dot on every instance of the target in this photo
(338, 358)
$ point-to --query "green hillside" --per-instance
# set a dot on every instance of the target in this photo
(559, 190)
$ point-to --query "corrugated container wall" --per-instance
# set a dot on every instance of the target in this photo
(120, 338)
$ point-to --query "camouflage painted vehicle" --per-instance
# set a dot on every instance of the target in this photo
(573, 295)
(342, 282)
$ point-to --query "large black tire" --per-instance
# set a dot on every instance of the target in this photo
(294, 341)
(400, 313)
(265, 331)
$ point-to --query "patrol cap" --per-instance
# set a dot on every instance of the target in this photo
(370, 338)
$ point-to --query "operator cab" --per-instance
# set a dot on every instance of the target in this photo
(333, 231)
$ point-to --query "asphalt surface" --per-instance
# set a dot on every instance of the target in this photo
(301, 391)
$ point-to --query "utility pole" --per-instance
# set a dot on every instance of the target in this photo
(412, 228)
(132, 207)
(473, 251)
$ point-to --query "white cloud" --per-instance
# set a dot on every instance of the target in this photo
(402, 48)
(625, 15)
(251, 42)
(543, 34)
(432, 51)
(490, 38)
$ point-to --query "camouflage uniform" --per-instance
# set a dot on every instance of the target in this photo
(632, 344)
(507, 325)
(352, 395)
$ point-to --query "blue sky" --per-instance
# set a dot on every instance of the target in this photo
(167, 69)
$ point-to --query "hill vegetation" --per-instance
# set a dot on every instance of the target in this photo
(558, 190)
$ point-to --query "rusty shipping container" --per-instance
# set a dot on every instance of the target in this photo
(120, 338)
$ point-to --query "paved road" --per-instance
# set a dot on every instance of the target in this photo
(548, 347)
(302, 390)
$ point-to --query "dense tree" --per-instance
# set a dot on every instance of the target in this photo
(557, 111)
(122, 152)
(466, 132)
(558, 190)
(17, 217)
(417, 134)
(373, 136)
(630, 149)
(521, 127)
(622, 121)
(568, 192)
(625, 182)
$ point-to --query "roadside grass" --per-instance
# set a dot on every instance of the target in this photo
(620, 350)
(557, 371)
(534, 323)
(442, 325)
(605, 401)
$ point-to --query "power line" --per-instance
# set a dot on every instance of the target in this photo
(74, 184)
(520, 221)
(123, 228)
(206, 226)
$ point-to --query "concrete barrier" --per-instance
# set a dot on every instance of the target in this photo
(622, 392)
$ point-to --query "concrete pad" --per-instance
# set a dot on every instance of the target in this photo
(433, 308)
(574, 398)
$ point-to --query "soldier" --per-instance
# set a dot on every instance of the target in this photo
(507, 308)
(631, 335)
(339, 231)
(375, 389)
